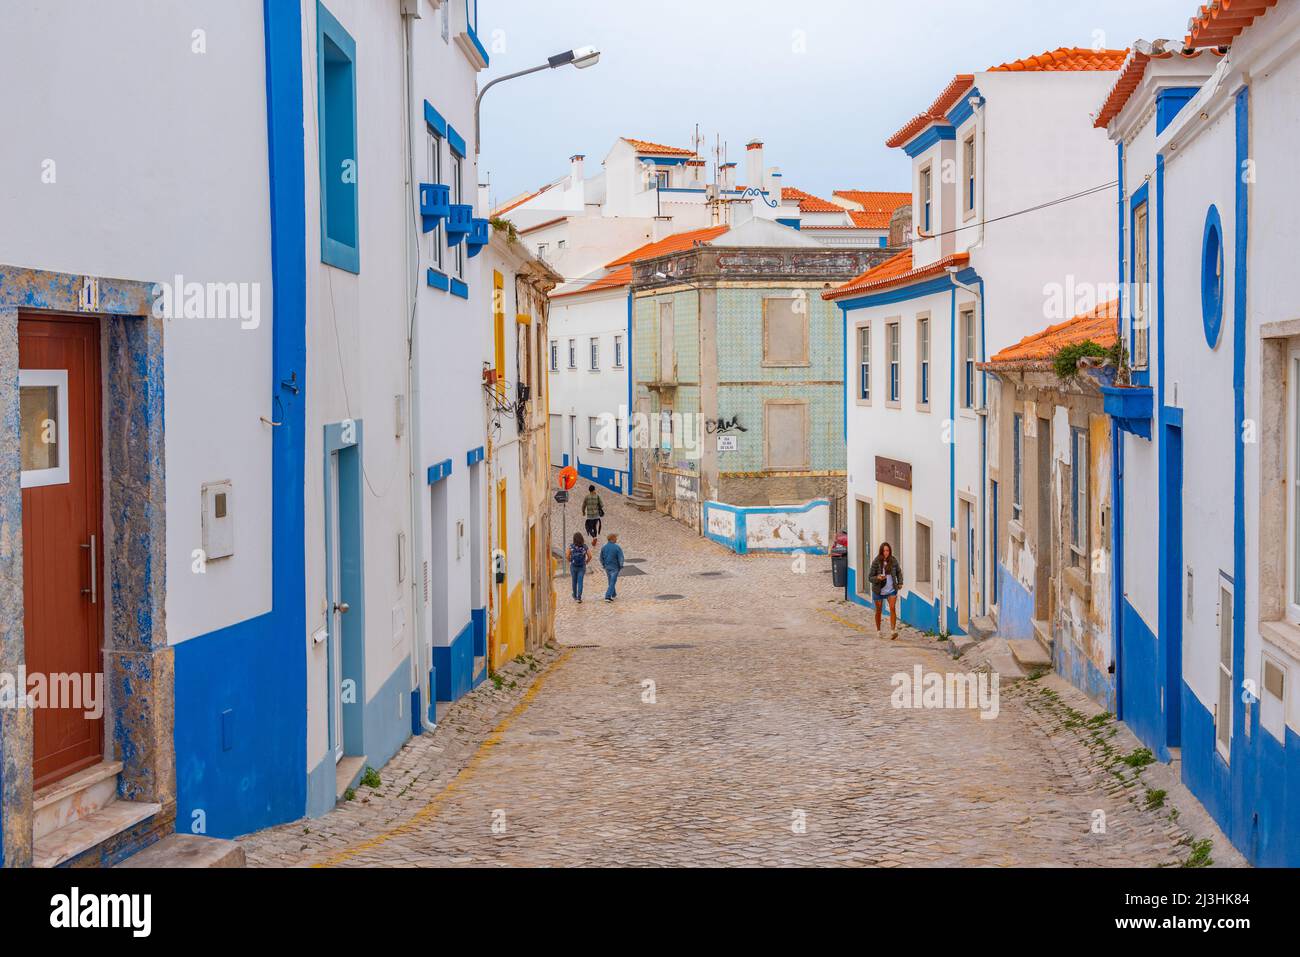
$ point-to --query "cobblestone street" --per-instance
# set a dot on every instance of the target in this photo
(767, 738)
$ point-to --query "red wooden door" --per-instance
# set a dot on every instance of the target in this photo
(59, 391)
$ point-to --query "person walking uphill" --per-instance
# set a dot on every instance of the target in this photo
(579, 555)
(611, 559)
(593, 509)
(886, 577)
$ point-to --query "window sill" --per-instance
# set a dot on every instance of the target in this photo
(460, 288)
(1017, 530)
(893, 404)
(863, 403)
(1076, 579)
(923, 407)
(1283, 636)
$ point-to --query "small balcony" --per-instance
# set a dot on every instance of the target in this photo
(435, 204)
(460, 222)
(1131, 407)
(480, 234)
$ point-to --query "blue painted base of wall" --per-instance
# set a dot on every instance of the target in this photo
(321, 785)
(1015, 607)
(417, 727)
(1078, 669)
(387, 727)
(241, 729)
(478, 619)
(921, 613)
(738, 542)
(1256, 799)
(454, 666)
(612, 479)
(1140, 707)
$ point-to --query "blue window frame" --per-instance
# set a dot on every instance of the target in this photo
(336, 55)
(927, 190)
(1212, 277)
(1140, 285)
(893, 348)
(968, 358)
(923, 351)
(864, 363)
(1079, 480)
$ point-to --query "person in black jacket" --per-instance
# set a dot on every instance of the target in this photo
(886, 577)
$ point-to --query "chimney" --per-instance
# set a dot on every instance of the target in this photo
(484, 198)
(741, 212)
(900, 226)
(727, 176)
(576, 176)
(695, 172)
(773, 182)
(755, 173)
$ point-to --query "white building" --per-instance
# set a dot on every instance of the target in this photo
(590, 368)
(282, 563)
(1207, 511)
(990, 263)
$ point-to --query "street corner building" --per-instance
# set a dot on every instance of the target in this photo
(275, 426)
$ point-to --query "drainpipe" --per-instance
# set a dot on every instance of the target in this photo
(982, 411)
(412, 240)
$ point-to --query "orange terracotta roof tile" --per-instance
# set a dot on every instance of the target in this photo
(645, 146)
(808, 203)
(620, 270)
(1220, 22)
(936, 112)
(874, 201)
(670, 244)
(1098, 325)
(870, 219)
(1065, 59)
(519, 201)
(1130, 76)
(895, 271)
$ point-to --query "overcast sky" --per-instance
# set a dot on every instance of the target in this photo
(822, 82)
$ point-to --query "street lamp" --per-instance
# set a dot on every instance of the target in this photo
(579, 57)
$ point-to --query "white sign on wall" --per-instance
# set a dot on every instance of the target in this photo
(727, 443)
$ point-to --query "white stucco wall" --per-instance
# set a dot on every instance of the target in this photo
(161, 172)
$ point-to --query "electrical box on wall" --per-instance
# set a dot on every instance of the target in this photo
(218, 520)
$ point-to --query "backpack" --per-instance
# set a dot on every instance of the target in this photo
(578, 555)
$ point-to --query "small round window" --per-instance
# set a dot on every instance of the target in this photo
(1212, 277)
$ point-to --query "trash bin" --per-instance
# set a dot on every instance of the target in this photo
(839, 566)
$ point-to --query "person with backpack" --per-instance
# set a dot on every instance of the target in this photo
(611, 559)
(593, 509)
(579, 555)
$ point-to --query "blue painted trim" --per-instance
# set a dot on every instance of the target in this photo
(963, 111)
(680, 189)
(1140, 196)
(439, 471)
(792, 223)
(435, 119)
(438, 279)
(474, 456)
(478, 618)
(952, 444)
(612, 479)
(454, 665)
(628, 362)
(1241, 232)
(345, 439)
(1171, 415)
(460, 288)
(923, 141)
(849, 381)
(984, 456)
(258, 667)
(456, 141)
(1169, 102)
(333, 189)
(663, 160)
(1212, 292)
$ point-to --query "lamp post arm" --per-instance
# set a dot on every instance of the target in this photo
(501, 79)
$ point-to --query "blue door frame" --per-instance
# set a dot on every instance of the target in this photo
(1171, 577)
(343, 445)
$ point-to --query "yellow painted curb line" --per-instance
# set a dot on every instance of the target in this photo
(431, 809)
(843, 621)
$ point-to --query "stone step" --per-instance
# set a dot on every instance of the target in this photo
(994, 656)
(75, 797)
(1043, 633)
(81, 835)
(347, 773)
(1029, 653)
(188, 850)
(983, 627)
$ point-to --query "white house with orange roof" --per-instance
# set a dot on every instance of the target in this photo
(643, 192)
(840, 222)
(1208, 578)
(1012, 224)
